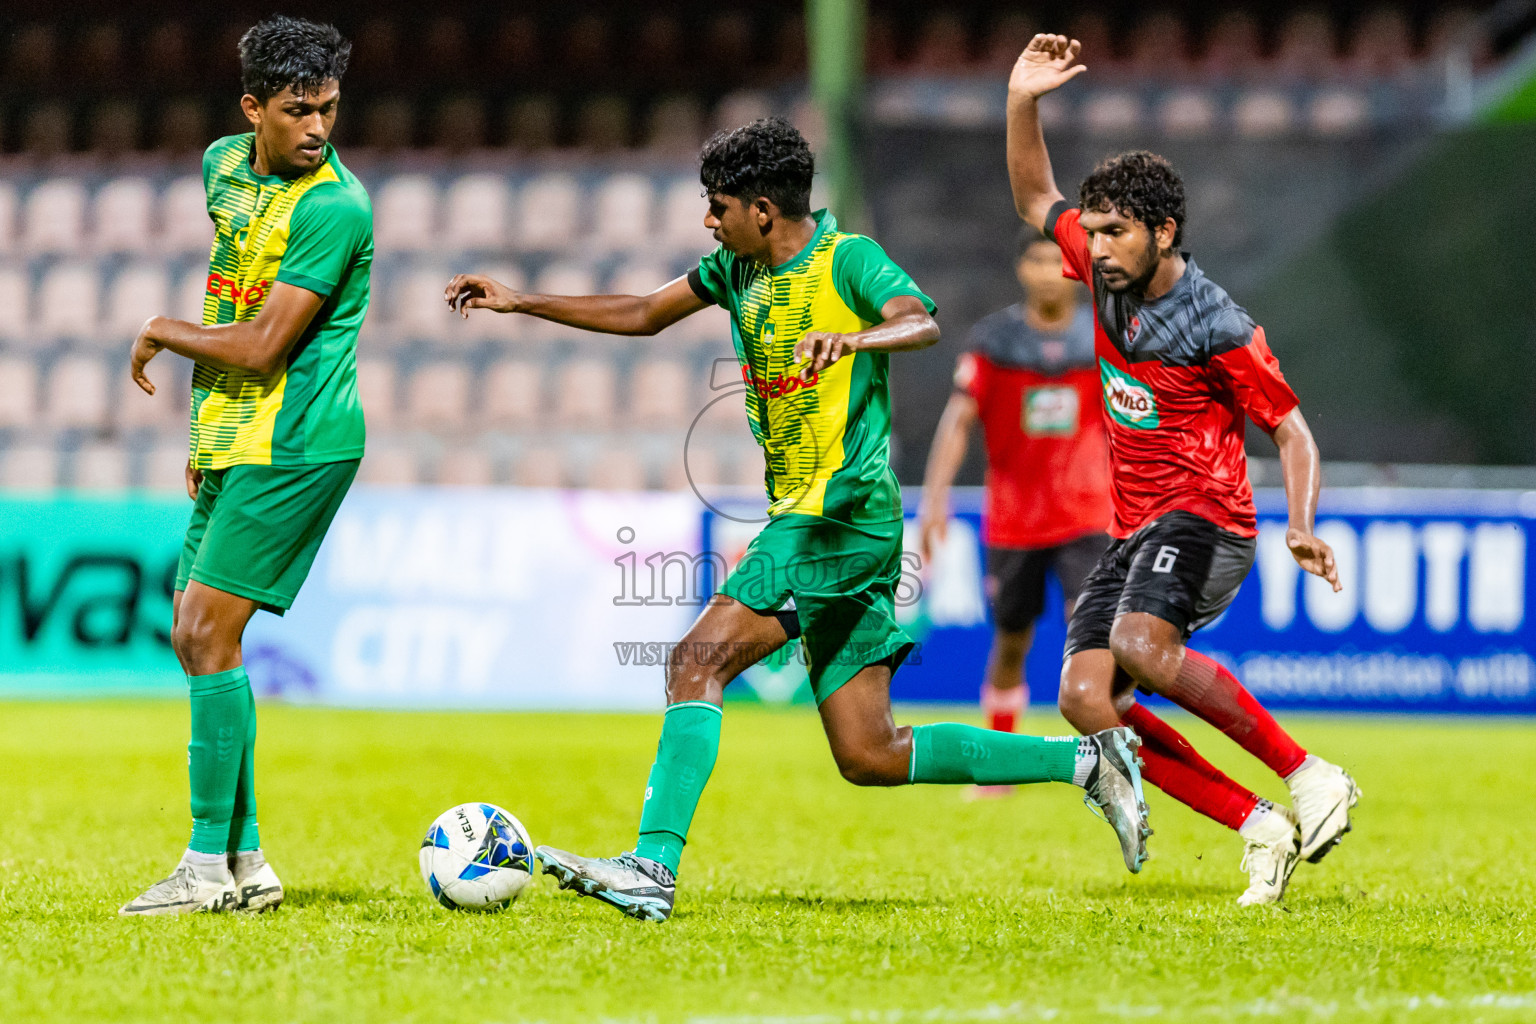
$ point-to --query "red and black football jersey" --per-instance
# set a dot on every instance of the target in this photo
(1178, 375)
(1036, 393)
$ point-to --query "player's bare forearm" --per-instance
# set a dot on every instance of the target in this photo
(634, 315)
(950, 442)
(1301, 469)
(259, 345)
(1302, 472)
(1029, 163)
(1047, 63)
(907, 327)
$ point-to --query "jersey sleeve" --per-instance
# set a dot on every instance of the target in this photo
(711, 278)
(866, 279)
(970, 375)
(1255, 378)
(328, 228)
(1064, 223)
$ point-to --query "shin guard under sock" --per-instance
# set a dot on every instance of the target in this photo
(221, 714)
(1173, 766)
(1205, 688)
(243, 834)
(685, 756)
(953, 753)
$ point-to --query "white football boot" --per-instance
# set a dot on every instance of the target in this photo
(1322, 794)
(192, 888)
(1271, 851)
(256, 884)
(637, 886)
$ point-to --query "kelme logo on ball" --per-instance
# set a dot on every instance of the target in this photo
(1128, 400)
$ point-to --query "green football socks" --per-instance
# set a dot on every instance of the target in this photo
(223, 733)
(953, 753)
(243, 835)
(690, 741)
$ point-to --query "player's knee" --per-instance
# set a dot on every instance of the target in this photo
(689, 677)
(1141, 655)
(197, 640)
(1078, 699)
(872, 765)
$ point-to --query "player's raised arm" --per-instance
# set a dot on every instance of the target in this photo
(259, 345)
(607, 314)
(1047, 63)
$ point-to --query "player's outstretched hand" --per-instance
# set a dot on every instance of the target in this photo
(932, 529)
(476, 291)
(1313, 555)
(144, 349)
(1047, 63)
(823, 349)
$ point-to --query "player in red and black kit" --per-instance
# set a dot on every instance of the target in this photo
(1182, 365)
(1029, 375)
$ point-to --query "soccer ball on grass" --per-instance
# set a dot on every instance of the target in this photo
(476, 857)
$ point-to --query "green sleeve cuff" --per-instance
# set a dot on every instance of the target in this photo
(309, 284)
(879, 301)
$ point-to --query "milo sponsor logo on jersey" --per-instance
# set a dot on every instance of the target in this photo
(1129, 401)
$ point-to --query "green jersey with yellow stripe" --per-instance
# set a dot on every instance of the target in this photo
(826, 440)
(314, 232)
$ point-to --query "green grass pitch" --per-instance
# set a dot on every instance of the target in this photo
(803, 899)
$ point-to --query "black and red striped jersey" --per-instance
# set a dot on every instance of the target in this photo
(1179, 373)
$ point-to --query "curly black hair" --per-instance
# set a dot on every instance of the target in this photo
(280, 52)
(1140, 185)
(768, 158)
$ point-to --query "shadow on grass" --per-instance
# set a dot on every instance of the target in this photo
(328, 898)
(1174, 892)
(771, 901)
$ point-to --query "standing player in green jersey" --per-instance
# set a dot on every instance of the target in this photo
(277, 431)
(815, 314)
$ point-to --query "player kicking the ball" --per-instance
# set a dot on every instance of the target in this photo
(816, 313)
(277, 431)
(1181, 365)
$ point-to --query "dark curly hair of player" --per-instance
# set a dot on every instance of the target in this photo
(1140, 185)
(768, 158)
(280, 52)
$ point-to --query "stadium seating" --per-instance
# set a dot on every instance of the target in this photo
(607, 80)
(491, 399)
(561, 160)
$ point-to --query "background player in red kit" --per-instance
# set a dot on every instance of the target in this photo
(1182, 365)
(1029, 375)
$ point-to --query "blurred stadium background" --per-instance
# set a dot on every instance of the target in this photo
(1355, 173)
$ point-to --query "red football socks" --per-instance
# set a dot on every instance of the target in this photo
(1173, 766)
(1207, 689)
(1003, 708)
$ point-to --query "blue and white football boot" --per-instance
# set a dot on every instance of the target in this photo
(637, 886)
(1114, 791)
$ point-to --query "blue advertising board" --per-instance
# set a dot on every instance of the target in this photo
(1433, 614)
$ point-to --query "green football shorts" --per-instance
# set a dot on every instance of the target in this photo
(842, 578)
(255, 529)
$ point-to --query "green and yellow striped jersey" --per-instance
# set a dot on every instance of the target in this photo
(826, 441)
(314, 232)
